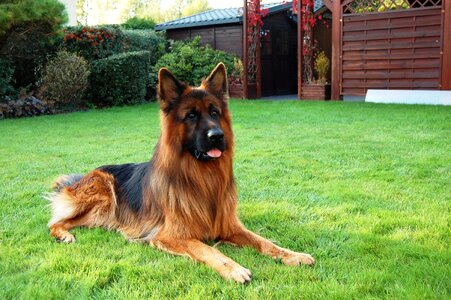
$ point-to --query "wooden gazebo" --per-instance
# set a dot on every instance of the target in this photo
(385, 44)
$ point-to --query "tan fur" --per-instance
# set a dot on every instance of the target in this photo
(185, 202)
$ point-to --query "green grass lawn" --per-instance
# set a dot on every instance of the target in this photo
(364, 188)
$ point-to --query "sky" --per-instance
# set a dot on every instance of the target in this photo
(114, 16)
(225, 3)
(234, 3)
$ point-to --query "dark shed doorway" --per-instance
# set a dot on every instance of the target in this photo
(278, 55)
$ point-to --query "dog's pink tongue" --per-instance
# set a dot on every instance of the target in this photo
(214, 153)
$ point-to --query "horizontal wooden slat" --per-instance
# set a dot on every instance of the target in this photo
(361, 81)
(388, 75)
(236, 29)
(388, 56)
(385, 52)
(392, 14)
(390, 66)
(388, 45)
(406, 24)
(415, 84)
(393, 35)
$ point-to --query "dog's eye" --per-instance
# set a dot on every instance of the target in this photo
(191, 116)
(214, 114)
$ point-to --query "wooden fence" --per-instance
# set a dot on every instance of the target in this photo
(393, 49)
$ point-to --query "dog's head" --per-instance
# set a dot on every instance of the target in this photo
(196, 119)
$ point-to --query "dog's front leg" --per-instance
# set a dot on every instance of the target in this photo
(243, 237)
(199, 251)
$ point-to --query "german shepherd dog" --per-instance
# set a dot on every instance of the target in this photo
(185, 195)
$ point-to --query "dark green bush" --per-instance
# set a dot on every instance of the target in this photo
(156, 43)
(66, 78)
(29, 30)
(94, 42)
(139, 23)
(6, 77)
(147, 40)
(191, 62)
(120, 79)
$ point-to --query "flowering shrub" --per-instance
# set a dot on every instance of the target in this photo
(95, 42)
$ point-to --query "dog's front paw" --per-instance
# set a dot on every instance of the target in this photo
(66, 237)
(295, 259)
(232, 270)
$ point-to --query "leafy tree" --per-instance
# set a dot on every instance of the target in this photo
(28, 33)
(95, 12)
(183, 8)
(14, 13)
(91, 12)
(195, 6)
(147, 9)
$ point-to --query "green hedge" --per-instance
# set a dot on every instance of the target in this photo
(139, 23)
(120, 79)
(146, 40)
(190, 62)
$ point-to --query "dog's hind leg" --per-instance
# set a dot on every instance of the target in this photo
(86, 202)
(60, 230)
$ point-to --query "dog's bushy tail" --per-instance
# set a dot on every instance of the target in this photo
(65, 180)
(62, 205)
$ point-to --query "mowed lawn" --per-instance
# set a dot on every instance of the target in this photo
(364, 188)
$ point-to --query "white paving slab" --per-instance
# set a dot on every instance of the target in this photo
(409, 97)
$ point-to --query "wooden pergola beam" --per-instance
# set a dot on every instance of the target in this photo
(246, 44)
(328, 4)
(446, 49)
(258, 62)
(336, 42)
(245, 52)
(299, 33)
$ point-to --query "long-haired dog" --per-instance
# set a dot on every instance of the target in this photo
(185, 195)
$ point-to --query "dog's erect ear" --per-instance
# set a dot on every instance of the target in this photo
(216, 83)
(169, 89)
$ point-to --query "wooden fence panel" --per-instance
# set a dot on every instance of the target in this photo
(399, 49)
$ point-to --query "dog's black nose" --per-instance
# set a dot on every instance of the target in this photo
(215, 135)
